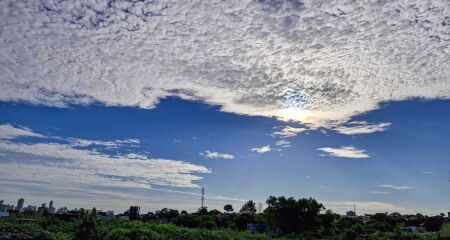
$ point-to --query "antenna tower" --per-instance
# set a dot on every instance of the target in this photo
(203, 196)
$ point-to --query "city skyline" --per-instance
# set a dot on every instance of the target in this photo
(116, 103)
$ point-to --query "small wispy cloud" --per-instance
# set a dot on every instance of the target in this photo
(345, 152)
(78, 142)
(283, 143)
(263, 149)
(289, 132)
(362, 127)
(429, 173)
(379, 192)
(396, 187)
(216, 155)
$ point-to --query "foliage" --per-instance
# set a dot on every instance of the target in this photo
(168, 214)
(433, 224)
(228, 208)
(87, 226)
(288, 215)
(248, 208)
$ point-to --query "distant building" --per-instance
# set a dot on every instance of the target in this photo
(62, 210)
(366, 218)
(42, 208)
(256, 227)
(110, 213)
(20, 203)
(51, 208)
(5, 207)
(4, 214)
(105, 215)
(133, 213)
(350, 214)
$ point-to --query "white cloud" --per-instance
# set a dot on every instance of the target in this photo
(216, 155)
(282, 143)
(317, 62)
(289, 132)
(345, 152)
(362, 127)
(7, 131)
(263, 149)
(396, 187)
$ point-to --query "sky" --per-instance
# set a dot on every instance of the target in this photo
(114, 103)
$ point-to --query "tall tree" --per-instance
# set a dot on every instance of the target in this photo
(249, 208)
(87, 226)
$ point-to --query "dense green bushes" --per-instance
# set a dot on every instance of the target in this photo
(38, 229)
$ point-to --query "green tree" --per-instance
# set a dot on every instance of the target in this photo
(249, 208)
(228, 208)
(87, 226)
(168, 214)
(288, 215)
(327, 221)
(202, 211)
(433, 224)
(214, 212)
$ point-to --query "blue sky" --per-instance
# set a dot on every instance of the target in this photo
(113, 103)
(405, 169)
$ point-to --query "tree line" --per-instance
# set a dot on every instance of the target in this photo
(283, 218)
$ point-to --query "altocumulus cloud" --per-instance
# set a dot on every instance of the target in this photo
(345, 152)
(317, 62)
(69, 167)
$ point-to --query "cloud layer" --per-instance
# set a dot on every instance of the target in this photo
(68, 166)
(317, 62)
(345, 152)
